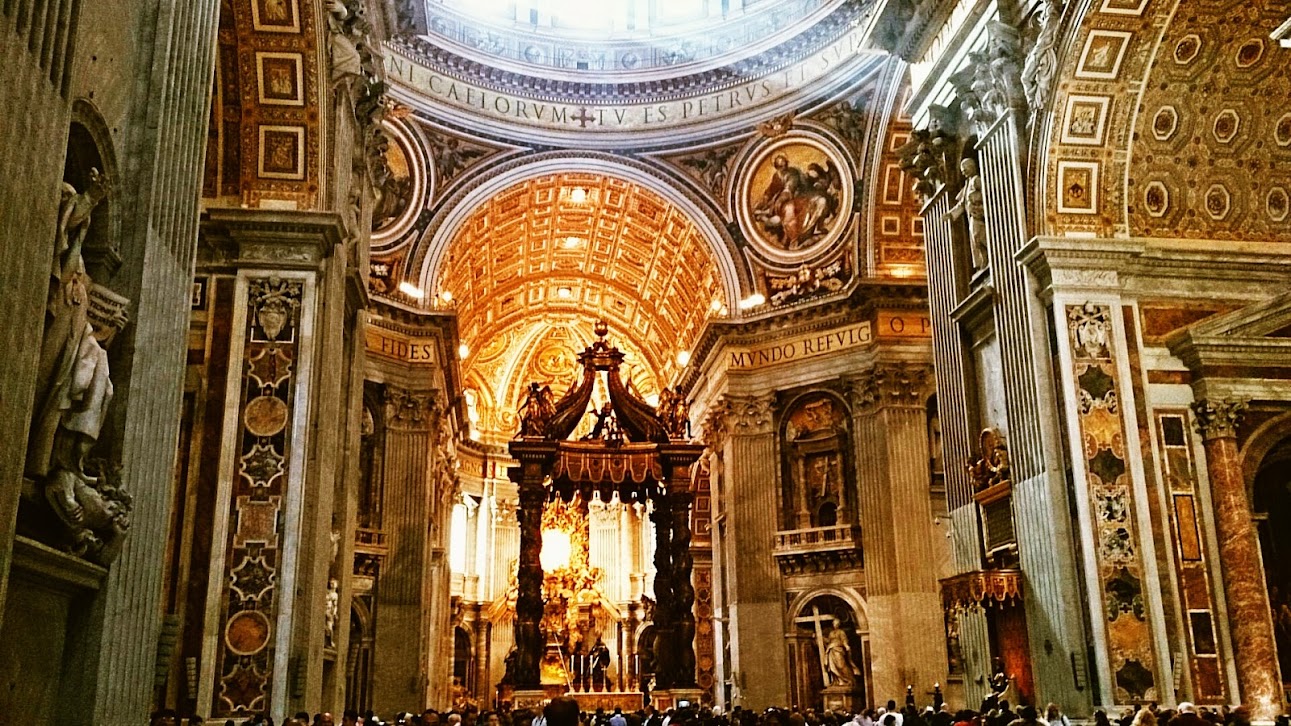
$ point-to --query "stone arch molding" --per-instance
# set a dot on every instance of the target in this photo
(425, 264)
(848, 595)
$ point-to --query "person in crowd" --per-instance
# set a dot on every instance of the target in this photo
(1187, 716)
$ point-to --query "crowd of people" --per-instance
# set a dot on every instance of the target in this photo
(565, 711)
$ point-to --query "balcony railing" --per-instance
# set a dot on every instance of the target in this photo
(370, 542)
(819, 548)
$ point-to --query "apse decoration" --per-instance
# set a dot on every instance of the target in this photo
(795, 195)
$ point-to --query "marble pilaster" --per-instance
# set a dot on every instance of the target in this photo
(1239, 556)
(400, 675)
(889, 413)
(755, 610)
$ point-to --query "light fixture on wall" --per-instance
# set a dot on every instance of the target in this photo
(578, 195)
(752, 301)
(463, 351)
(572, 242)
(411, 290)
(446, 296)
(683, 358)
(564, 292)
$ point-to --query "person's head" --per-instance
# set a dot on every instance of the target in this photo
(1187, 707)
(165, 717)
(492, 719)
(780, 161)
(350, 717)
(562, 711)
(1028, 713)
(1051, 712)
(892, 705)
(325, 719)
(430, 717)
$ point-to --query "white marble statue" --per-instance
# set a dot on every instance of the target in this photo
(842, 670)
(972, 203)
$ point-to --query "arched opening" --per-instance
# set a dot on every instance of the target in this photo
(463, 662)
(827, 655)
(1272, 505)
(531, 268)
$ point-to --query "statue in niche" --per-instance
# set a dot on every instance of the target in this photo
(73, 390)
(347, 26)
(842, 670)
(606, 425)
(331, 611)
(972, 203)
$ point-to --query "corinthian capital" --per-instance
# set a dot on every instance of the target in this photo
(890, 384)
(411, 409)
(1218, 419)
(740, 416)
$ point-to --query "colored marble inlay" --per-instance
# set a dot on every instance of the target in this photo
(253, 555)
(1116, 542)
(1179, 476)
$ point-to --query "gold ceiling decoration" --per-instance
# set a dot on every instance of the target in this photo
(532, 269)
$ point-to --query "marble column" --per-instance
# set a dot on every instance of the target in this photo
(745, 425)
(897, 530)
(665, 613)
(400, 675)
(1239, 556)
(677, 462)
(535, 460)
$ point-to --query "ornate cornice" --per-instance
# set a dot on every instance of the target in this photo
(1218, 418)
(412, 409)
(890, 385)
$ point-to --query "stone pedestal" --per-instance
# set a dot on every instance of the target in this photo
(842, 698)
(1239, 555)
(667, 698)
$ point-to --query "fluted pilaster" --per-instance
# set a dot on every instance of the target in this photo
(745, 428)
(400, 673)
(890, 416)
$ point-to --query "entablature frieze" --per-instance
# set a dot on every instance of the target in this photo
(267, 239)
(1155, 267)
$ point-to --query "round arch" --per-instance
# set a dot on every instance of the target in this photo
(848, 595)
(424, 265)
(1261, 443)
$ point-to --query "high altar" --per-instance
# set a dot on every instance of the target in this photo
(640, 454)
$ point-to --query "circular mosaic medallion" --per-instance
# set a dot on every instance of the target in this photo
(795, 195)
(247, 632)
(265, 416)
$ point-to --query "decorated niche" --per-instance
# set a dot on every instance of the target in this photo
(76, 501)
(818, 487)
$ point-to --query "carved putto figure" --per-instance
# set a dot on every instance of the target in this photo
(842, 670)
(992, 466)
(972, 203)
